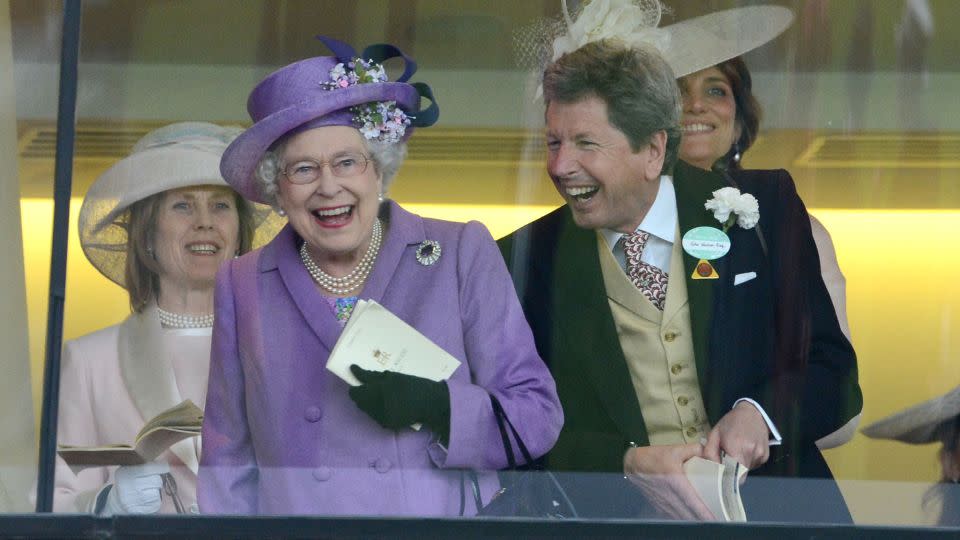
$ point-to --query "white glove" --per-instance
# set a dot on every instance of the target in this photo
(136, 489)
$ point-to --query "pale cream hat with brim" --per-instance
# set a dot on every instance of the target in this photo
(175, 156)
(919, 424)
(705, 41)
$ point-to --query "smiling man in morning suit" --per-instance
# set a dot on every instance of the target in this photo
(653, 363)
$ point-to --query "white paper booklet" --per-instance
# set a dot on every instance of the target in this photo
(377, 340)
(718, 484)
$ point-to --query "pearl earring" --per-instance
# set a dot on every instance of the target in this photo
(281, 212)
(379, 197)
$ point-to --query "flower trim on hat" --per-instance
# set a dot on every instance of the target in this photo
(376, 120)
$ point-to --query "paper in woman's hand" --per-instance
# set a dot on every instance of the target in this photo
(377, 340)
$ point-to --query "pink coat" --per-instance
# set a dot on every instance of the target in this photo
(112, 381)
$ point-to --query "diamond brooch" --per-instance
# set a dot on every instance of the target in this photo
(428, 252)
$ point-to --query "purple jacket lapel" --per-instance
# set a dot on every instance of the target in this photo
(283, 256)
(402, 230)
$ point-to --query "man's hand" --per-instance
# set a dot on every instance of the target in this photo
(658, 472)
(742, 434)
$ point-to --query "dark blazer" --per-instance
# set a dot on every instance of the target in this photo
(774, 338)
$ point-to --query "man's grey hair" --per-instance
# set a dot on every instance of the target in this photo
(634, 81)
(386, 158)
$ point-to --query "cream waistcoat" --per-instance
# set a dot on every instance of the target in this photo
(658, 348)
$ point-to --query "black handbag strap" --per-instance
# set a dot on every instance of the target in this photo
(475, 484)
(502, 422)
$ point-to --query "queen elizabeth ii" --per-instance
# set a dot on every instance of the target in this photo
(282, 434)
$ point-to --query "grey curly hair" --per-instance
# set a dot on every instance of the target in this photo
(386, 157)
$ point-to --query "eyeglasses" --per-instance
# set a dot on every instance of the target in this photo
(306, 171)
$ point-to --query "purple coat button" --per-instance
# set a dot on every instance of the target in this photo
(322, 473)
(382, 465)
(313, 414)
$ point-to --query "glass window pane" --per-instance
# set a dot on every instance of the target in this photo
(857, 104)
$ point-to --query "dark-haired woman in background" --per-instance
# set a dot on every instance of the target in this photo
(721, 120)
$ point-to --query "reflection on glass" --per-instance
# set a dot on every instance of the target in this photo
(858, 106)
(17, 445)
(935, 420)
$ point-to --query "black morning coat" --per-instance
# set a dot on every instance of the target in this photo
(774, 339)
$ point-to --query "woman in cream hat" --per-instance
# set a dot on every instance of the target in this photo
(158, 223)
(282, 434)
(935, 420)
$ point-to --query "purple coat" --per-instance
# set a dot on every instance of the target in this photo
(281, 435)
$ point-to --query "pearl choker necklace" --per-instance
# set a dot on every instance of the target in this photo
(351, 281)
(178, 320)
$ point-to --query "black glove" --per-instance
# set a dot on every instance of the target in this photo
(396, 400)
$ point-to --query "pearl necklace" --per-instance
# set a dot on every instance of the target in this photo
(178, 320)
(356, 277)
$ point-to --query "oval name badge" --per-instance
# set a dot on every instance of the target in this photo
(706, 243)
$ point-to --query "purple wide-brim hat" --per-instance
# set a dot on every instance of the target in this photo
(298, 94)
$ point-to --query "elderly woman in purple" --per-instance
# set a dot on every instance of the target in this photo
(282, 435)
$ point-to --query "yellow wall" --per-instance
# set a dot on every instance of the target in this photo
(903, 303)
(906, 330)
(92, 301)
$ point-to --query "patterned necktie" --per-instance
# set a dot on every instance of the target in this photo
(651, 280)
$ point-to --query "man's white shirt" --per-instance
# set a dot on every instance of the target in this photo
(660, 222)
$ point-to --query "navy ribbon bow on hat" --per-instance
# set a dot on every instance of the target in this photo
(380, 53)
